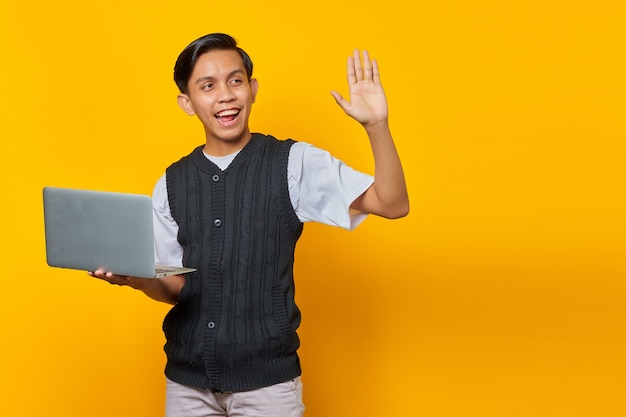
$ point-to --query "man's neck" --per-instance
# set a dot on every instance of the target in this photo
(223, 148)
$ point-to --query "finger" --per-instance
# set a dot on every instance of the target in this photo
(98, 273)
(375, 73)
(351, 75)
(340, 100)
(367, 66)
(358, 69)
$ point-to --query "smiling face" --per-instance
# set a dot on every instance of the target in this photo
(220, 94)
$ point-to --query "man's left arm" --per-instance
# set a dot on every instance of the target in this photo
(387, 196)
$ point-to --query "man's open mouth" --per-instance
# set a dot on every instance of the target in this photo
(227, 116)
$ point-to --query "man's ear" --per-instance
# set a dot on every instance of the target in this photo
(254, 86)
(185, 103)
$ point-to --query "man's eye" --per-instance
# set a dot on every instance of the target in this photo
(207, 86)
(236, 81)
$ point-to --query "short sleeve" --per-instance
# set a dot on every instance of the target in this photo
(322, 187)
(167, 250)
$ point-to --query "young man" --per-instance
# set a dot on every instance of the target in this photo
(234, 209)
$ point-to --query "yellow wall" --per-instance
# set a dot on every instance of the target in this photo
(502, 294)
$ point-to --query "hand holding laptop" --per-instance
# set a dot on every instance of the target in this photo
(165, 289)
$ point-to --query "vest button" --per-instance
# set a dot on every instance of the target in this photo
(215, 178)
(211, 325)
(217, 222)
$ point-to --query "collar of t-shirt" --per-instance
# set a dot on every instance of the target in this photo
(222, 161)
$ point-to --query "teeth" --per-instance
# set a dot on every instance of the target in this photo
(227, 113)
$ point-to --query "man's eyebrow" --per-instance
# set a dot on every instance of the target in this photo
(210, 77)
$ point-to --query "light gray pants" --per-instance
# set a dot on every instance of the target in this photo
(280, 400)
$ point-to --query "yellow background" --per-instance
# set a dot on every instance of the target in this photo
(502, 293)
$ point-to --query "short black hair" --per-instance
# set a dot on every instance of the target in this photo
(189, 56)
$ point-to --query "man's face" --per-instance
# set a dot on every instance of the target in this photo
(220, 94)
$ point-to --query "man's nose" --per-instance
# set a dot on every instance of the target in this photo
(225, 93)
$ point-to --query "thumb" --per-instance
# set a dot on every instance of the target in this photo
(340, 100)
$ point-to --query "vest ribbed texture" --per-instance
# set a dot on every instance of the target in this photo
(234, 326)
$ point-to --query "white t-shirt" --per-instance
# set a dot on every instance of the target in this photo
(321, 189)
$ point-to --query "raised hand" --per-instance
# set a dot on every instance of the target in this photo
(367, 103)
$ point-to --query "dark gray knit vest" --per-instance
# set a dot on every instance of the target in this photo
(234, 326)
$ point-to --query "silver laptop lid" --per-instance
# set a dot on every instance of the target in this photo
(88, 230)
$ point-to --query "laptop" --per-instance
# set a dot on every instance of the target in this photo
(89, 230)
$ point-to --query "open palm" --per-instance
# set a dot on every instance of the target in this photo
(367, 103)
